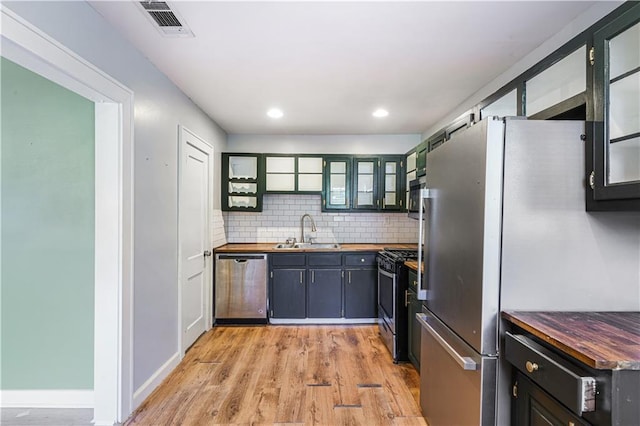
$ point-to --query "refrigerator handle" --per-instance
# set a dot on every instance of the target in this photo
(465, 362)
(425, 195)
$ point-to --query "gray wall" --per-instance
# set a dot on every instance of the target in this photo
(47, 234)
(324, 144)
(575, 27)
(159, 108)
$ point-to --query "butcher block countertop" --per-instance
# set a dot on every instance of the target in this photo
(269, 248)
(413, 264)
(601, 340)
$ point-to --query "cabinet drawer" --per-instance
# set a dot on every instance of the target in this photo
(288, 259)
(362, 259)
(562, 380)
(324, 259)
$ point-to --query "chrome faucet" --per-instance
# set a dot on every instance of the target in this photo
(313, 226)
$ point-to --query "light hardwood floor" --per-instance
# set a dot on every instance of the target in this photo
(305, 375)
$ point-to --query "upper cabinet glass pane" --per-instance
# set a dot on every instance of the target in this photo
(338, 167)
(624, 52)
(624, 106)
(411, 161)
(561, 81)
(280, 182)
(243, 188)
(309, 164)
(390, 168)
(243, 167)
(365, 167)
(506, 106)
(624, 157)
(280, 164)
(310, 182)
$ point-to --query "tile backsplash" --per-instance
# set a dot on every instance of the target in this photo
(280, 219)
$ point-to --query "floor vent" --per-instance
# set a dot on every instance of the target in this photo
(165, 19)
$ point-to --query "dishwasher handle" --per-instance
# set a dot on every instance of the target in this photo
(242, 258)
(466, 363)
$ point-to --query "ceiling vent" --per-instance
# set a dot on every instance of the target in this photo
(165, 19)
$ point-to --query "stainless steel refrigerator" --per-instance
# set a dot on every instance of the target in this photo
(473, 182)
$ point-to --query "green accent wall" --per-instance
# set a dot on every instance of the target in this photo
(47, 288)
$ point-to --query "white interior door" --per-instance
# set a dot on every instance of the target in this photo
(196, 171)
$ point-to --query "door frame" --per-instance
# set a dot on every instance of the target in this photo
(208, 296)
(31, 48)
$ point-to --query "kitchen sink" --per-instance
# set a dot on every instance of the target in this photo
(307, 246)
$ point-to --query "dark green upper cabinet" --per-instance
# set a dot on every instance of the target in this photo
(421, 158)
(293, 173)
(337, 183)
(241, 182)
(391, 189)
(364, 183)
(615, 179)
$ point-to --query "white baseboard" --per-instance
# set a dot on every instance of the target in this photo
(322, 321)
(156, 378)
(61, 398)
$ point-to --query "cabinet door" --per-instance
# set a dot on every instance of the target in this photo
(288, 293)
(391, 181)
(411, 173)
(280, 174)
(337, 176)
(532, 406)
(421, 158)
(361, 293)
(616, 174)
(324, 293)
(241, 190)
(414, 329)
(309, 178)
(365, 191)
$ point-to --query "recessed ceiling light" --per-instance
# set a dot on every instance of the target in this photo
(380, 113)
(275, 113)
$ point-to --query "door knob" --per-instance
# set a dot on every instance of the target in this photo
(206, 253)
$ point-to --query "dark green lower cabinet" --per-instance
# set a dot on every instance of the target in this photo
(414, 307)
(324, 293)
(534, 407)
(288, 293)
(323, 285)
(361, 293)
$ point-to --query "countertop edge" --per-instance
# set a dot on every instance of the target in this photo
(599, 364)
(269, 248)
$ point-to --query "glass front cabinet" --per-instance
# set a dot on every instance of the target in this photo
(241, 188)
(615, 179)
(293, 173)
(337, 177)
(364, 183)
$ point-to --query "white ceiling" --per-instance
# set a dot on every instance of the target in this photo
(328, 65)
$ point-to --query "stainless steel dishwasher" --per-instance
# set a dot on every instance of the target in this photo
(241, 288)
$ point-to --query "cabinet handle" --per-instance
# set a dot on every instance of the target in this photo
(301, 282)
(313, 277)
(349, 277)
(406, 298)
(531, 366)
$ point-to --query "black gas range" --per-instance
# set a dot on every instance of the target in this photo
(390, 259)
(392, 307)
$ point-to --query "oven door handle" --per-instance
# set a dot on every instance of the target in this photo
(387, 274)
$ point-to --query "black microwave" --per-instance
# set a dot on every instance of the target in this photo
(415, 187)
